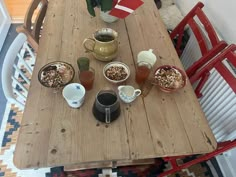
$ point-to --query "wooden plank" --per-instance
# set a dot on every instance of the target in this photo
(84, 166)
(158, 125)
(82, 131)
(36, 124)
(121, 163)
(178, 114)
(108, 164)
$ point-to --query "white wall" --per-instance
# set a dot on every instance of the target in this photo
(227, 162)
(232, 159)
(5, 23)
(222, 14)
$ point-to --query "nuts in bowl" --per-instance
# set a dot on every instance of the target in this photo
(169, 78)
(56, 74)
(116, 72)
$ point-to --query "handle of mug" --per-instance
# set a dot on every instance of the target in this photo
(108, 115)
(86, 42)
(137, 92)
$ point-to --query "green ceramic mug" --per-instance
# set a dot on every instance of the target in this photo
(103, 45)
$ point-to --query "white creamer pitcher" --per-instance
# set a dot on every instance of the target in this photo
(128, 93)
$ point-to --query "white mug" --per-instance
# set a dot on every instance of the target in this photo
(74, 94)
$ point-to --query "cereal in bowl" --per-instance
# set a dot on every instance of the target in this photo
(56, 74)
(116, 73)
(169, 78)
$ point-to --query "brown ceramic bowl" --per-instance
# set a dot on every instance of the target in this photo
(169, 78)
(56, 74)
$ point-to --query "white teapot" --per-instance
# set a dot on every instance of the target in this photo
(127, 93)
(147, 56)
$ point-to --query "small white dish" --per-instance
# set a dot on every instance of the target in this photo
(74, 94)
(117, 72)
(147, 56)
(128, 93)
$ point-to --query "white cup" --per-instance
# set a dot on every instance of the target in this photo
(74, 94)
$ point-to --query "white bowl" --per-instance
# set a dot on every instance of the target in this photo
(116, 63)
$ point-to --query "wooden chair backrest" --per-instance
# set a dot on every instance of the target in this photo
(34, 27)
(204, 33)
(33, 22)
(217, 63)
(215, 85)
(190, 20)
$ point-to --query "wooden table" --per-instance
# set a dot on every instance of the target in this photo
(158, 125)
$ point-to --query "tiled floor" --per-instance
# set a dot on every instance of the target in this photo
(10, 37)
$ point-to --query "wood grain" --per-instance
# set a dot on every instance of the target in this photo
(179, 114)
(108, 164)
(158, 125)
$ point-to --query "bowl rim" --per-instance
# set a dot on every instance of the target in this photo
(184, 77)
(54, 62)
(114, 63)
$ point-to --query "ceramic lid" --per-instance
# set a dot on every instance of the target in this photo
(147, 56)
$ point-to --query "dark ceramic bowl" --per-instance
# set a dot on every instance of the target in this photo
(56, 74)
(169, 78)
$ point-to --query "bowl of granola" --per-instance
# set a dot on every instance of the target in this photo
(169, 78)
(56, 74)
(116, 72)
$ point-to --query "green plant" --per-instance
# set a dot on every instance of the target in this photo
(105, 5)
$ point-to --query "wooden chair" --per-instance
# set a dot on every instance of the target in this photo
(33, 22)
(218, 103)
(17, 71)
(203, 35)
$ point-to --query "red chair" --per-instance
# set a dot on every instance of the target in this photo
(220, 64)
(203, 31)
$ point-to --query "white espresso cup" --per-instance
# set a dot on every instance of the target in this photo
(74, 94)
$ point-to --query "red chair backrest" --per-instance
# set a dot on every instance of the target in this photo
(207, 51)
(189, 20)
(228, 54)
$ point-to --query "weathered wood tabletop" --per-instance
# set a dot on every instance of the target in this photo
(157, 125)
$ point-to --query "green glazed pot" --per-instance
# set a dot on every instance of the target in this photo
(103, 45)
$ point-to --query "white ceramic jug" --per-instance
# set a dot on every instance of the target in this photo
(147, 56)
(127, 93)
